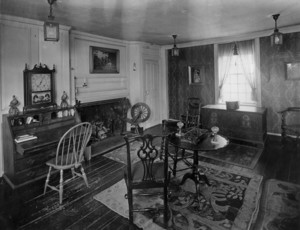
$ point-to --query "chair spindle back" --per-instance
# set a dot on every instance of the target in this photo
(72, 145)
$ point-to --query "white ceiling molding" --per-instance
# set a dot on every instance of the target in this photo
(288, 29)
(13, 20)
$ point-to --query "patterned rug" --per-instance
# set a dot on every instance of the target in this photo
(230, 203)
(240, 155)
(280, 206)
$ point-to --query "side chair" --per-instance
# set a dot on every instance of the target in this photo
(193, 113)
(290, 124)
(150, 172)
(69, 156)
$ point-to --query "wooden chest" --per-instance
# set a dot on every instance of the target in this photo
(247, 123)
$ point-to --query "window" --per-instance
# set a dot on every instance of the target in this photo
(237, 80)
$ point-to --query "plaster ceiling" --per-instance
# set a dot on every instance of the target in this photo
(154, 21)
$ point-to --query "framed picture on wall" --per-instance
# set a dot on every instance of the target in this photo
(292, 70)
(196, 75)
(104, 60)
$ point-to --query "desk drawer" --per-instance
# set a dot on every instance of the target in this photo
(32, 173)
(34, 160)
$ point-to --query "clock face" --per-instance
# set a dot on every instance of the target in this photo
(40, 82)
(39, 87)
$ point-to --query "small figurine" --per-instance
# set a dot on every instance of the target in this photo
(13, 106)
(64, 102)
(180, 125)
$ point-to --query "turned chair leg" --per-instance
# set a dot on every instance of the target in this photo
(130, 205)
(73, 173)
(84, 177)
(175, 161)
(166, 207)
(47, 180)
(61, 186)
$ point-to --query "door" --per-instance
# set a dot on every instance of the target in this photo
(151, 91)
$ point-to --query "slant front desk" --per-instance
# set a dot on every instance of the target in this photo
(248, 123)
(24, 162)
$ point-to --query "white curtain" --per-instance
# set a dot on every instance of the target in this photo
(246, 55)
(225, 54)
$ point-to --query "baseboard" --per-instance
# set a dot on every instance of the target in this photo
(274, 134)
(279, 134)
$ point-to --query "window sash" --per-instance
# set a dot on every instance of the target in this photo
(225, 52)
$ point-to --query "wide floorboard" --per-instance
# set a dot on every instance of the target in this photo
(28, 208)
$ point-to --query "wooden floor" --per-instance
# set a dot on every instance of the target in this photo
(28, 208)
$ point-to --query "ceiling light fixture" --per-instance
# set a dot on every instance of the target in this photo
(175, 50)
(51, 28)
(276, 37)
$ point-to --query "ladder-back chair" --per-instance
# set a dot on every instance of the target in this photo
(193, 113)
(69, 155)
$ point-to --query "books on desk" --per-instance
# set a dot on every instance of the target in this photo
(26, 137)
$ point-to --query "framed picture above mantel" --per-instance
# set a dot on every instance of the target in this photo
(104, 60)
(196, 74)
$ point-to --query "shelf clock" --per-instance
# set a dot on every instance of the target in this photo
(39, 88)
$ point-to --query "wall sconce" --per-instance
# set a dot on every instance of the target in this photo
(235, 49)
(51, 28)
(84, 83)
(276, 37)
(134, 66)
(175, 50)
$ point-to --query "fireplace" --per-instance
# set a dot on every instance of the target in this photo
(108, 117)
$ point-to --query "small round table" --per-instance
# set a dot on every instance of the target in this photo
(208, 143)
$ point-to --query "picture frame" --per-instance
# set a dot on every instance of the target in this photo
(196, 75)
(292, 70)
(41, 97)
(104, 60)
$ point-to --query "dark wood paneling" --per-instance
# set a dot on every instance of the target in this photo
(178, 79)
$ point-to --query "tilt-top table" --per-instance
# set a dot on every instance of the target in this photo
(208, 143)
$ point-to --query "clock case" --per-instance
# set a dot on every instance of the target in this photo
(38, 69)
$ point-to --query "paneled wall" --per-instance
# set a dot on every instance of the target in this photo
(22, 42)
(100, 86)
(178, 78)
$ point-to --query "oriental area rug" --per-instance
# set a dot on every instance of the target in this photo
(280, 206)
(239, 155)
(230, 203)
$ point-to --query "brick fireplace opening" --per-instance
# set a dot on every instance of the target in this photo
(108, 119)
